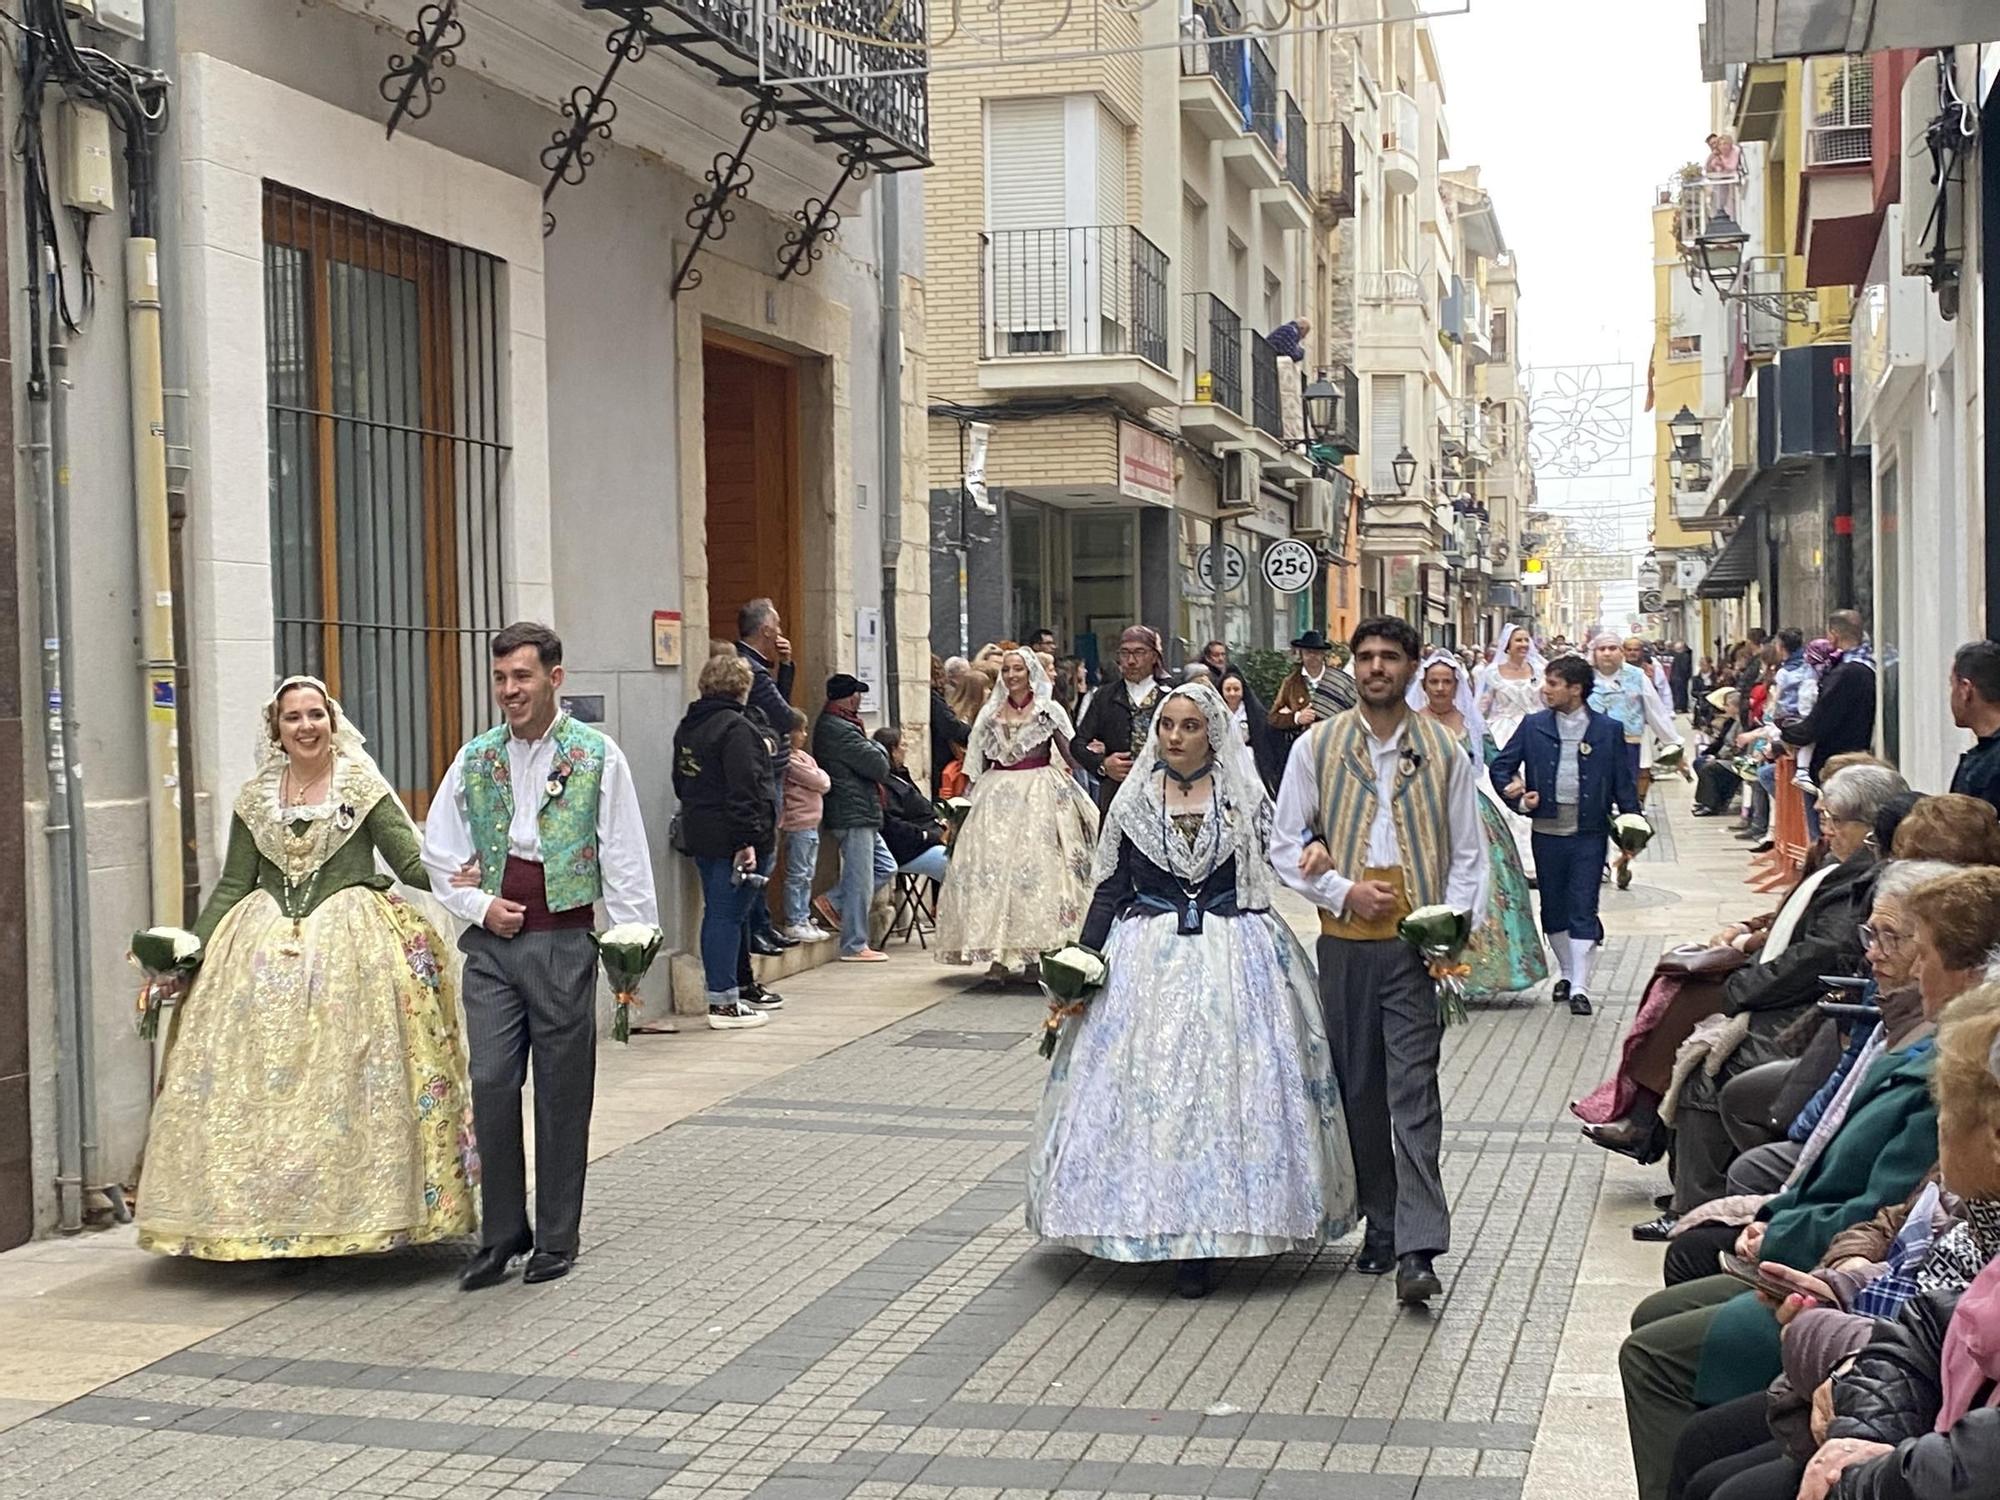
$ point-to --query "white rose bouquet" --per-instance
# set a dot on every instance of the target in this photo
(1070, 977)
(627, 952)
(1440, 934)
(167, 957)
(1631, 832)
(1672, 760)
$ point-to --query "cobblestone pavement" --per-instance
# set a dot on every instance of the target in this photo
(822, 1288)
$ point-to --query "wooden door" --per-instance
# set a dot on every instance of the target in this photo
(750, 432)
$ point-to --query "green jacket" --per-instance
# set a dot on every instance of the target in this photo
(244, 869)
(857, 766)
(1883, 1148)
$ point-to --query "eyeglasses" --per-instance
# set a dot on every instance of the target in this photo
(1133, 653)
(1885, 938)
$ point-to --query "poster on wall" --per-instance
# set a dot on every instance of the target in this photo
(868, 656)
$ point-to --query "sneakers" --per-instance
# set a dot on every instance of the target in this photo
(823, 908)
(865, 956)
(759, 998)
(809, 932)
(735, 1015)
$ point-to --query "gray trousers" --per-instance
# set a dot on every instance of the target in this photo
(531, 997)
(1763, 1169)
(1382, 1024)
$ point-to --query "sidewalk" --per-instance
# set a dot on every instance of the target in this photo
(816, 1284)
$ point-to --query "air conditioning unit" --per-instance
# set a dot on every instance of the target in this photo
(1312, 511)
(1924, 253)
(1241, 474)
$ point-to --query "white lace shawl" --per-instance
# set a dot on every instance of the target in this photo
(1001, 742)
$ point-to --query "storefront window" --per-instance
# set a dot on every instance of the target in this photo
(1027, 570)
(1196, 624)
(1104, 561)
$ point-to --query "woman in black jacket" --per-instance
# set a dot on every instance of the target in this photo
(722, 775)
(911, 827)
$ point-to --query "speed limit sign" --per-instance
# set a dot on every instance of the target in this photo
(1290, 566)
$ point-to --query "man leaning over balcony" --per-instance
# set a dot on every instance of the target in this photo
(1288, 340)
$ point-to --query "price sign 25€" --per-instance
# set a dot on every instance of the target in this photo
(1290, 566)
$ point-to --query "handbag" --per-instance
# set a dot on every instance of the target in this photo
(677, 835)
(1701, 961)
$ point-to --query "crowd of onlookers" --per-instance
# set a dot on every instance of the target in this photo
(1821, 1081)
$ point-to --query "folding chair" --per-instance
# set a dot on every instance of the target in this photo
(915, 913)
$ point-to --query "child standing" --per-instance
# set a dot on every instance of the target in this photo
(798, 826)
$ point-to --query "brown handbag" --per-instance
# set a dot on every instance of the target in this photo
(1701, 961)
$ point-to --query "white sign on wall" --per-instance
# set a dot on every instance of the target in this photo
(868, 656)
(1290, 566)
(1233, 568)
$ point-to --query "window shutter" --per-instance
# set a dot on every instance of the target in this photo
(1024, 163)
(1194, 261)
(1385, 431)
(1110, 168)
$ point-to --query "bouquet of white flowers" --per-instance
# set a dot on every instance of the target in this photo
(1631, 832)
(627, 951)
(1440, 934)
(1672, 760)
(166, 956)
(1069, 977)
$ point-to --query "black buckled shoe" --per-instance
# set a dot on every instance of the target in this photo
(1559, 992)
(1378, 1255)
(1656, 1231)
(547, 1265)
(1416, 1280)
(1579, 1003)
(489, 1263)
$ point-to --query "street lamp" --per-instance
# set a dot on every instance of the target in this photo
(1686, 428)
(1322, 404)
(1404, 467)
(1720, 246)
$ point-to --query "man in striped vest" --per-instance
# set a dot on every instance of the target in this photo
(1378, 815)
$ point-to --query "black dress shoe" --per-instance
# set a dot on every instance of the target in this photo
(1377, 1257)
(1416, 1281)
(1645, 1144)
(1194, 1279)
(769, 947)
(1579, 1003)
(547, 1265)
(1656, 1231)
(488, 1266)
(1559, 992)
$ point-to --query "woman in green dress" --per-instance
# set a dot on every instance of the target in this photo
(314, 1097)
(1505, 953)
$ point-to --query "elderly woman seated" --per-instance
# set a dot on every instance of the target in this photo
(1696, 1367)
(1760, 978)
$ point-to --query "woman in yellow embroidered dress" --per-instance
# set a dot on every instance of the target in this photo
(314, 1098)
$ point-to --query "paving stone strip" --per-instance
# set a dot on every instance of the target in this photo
(825, 1290)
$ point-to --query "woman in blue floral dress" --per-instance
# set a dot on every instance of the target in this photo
(1505, 953)
(1191, 1113)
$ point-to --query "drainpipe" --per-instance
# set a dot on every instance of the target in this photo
(162, 55)
(889, 212)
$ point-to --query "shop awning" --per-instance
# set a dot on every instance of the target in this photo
(1734, 569)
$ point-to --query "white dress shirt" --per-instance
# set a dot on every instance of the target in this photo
(1298, 811)
(624, 865)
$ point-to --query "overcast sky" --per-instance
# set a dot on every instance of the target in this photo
(1575, 111)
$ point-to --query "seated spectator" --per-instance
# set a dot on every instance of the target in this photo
(1769, 980)
(1704, 1342)
(1716, 783)
(1851, 1322)
(912, 833)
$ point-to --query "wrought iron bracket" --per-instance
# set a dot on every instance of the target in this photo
(818, 220)
(728, 177)
(590, 109)
(413, 81)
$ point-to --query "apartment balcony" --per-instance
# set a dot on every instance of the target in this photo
(1334, 177)
(1214, 411)
(845, 88)
(1080, 309)
(1298, 149)
(1476, 324)
(1838, 225)
(1760, 324)
(1266, 410)
(1402, 142)
(1214, 80)
(1258, 159)
(1396, 324)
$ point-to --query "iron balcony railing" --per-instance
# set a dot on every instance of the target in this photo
(1298, 149)
(1389, 286)
(1265, 409)
(1261, 112)
(1076, 290)
(1335, 175)
(1841, 131)
(1215, 49)
(861, 63)
(1218, 352)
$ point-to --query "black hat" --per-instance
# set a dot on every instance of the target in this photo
(841, 685)
(1312, 640)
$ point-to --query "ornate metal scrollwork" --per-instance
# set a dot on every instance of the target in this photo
(414, 81)
(590, 109)
(728, 177)
(818, 220)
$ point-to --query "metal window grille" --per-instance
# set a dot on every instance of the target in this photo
(1841, 130)
(388, 451)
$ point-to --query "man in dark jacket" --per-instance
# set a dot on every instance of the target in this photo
(761, 642)
(1975, 705)
(1842, 721)
(852, 815)
(1121, 715)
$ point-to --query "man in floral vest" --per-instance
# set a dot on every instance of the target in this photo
(1378, 816)
(536, 821)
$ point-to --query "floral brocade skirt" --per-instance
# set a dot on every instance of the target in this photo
(1505, 953)
(314, 1099)
(1191, 1111)
(1019, 883)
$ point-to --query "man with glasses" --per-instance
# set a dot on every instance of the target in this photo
(1119, 718)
